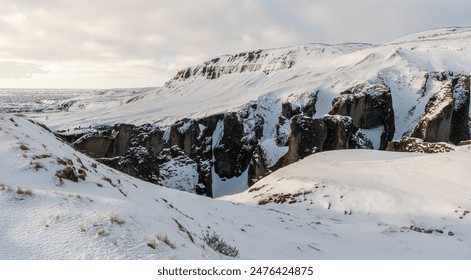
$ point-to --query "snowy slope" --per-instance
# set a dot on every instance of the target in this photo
(374, 198)
(377, 204)
(272, 76)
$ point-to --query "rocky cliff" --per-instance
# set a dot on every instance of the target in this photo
(229, 121)
(225, 145)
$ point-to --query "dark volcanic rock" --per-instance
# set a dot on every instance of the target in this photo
(460, 119)
(240, 134)
(258, 166)
(446, 113)
(342, 133)
(307, 137)
(416, 145)
(238, 63)
(94, 146)
(231, 161)
(138, 162)
(121, 140)
(369, 106)
(289, 110)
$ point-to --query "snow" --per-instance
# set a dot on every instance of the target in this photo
(351, 204)
(223, 186)
(374, 134)
(179, 175)
(376, 203)
(217, 134)
(273, 151)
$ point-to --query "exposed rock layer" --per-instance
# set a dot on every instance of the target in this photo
(446, 113)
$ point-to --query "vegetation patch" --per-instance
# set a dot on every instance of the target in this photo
(65, 161)
(255, 189)
(163, 238)
(115, 220)
(4, 187)
(24, 147)
(37, 165)
(214, 241)
(281, 198)
(24, 192)
(42, 156)
(183, 229)
(67, 173)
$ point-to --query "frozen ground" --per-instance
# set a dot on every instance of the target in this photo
(333, 205)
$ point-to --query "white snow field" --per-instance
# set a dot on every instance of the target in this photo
(350, 204)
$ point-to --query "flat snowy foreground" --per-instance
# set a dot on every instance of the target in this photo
(351, 204)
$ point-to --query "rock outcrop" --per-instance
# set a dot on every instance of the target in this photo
(446, 113)
(342, 133)
(252, 61)
(232, 156)
(416, 145)
(108, 142)
(94, 145)
(188, 154)
(369, 106)
(307, 137)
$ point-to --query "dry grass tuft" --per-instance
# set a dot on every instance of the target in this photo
(167, 241)
(24, 147)
(4, 187)
(115, 220)
(24, 192)
(37, 165)
(219, 245)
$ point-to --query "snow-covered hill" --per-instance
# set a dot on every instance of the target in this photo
(57, 203)
(404, 205)
(272, 76)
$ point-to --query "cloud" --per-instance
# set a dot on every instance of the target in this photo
(15, 70)
(169, 35)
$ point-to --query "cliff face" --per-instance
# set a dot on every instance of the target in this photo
(369, 106)
(202, 154)
(227, 145)
(446, 113)
(197, 155)
(229, 121)
(253, 61)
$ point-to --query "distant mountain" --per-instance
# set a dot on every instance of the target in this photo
(218, 127)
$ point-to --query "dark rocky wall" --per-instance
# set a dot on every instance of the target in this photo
(141, 150)
(446, 116)
(369, 106)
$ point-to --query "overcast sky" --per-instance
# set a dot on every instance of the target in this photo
(141, 43)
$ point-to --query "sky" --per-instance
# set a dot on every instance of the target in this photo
(143, 43)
